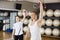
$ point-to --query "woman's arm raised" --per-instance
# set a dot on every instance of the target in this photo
(39, 22)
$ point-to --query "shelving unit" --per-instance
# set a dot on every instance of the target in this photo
(52, 6)
(9, 12)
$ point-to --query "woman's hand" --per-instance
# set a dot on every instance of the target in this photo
(41, 14)
(41, 1)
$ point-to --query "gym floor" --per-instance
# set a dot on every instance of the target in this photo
(4, 35)
(7, 36)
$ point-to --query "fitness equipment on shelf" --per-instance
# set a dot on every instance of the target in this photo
(56, 32)
(49, 22)
(49, 13)
(57, 13)
(48, 31)
(56, 23)
(42, 30)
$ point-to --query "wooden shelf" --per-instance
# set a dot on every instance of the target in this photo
(52, 17)
(8, 10)
(51, 27)
(51, 36)
(6, 23)
(4, 16)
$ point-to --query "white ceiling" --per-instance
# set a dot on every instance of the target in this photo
(45, 1)
(36, 1)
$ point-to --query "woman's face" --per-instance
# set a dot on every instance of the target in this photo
(17, 19)
(33, 16)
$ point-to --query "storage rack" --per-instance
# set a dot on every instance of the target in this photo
(52, 6)
(9, 11)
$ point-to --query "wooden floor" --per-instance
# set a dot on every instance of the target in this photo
(4, 35)
(7, 36)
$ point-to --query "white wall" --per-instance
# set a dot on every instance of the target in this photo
(51, 1)
(6, 5)
(36, 1)
(11, 5)
(45, 1)
(25, 5)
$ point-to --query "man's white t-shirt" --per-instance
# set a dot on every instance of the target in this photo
(18, 27)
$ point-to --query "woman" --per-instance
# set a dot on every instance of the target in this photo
(34, 25)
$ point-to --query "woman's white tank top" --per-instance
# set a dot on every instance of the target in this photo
(35, 31)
